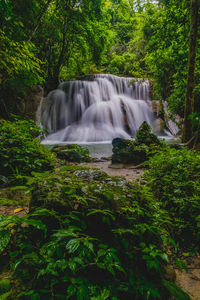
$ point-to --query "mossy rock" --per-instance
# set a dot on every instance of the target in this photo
(72, 153)
(129, 154)
(135, 152)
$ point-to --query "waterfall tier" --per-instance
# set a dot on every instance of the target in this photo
(97, 109)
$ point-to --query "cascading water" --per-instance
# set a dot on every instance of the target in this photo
(96, 109)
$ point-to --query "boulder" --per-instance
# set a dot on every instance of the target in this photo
(125, 152)
(72, 153)
(135, 152)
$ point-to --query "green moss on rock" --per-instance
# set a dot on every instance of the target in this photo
(72, 153)
(135, 152)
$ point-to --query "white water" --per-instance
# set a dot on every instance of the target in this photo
(96, 110)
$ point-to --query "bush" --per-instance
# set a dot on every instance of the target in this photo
(174, 178)
(21, 151)
(107, 239)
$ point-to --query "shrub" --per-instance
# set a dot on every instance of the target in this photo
(174, 177)
(106, 240)
(146, 137)
(21, 151)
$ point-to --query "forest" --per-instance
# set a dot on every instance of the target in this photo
(124, 225)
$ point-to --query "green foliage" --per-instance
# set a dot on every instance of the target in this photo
(174, 179)
(4, 285)
(18, 61)
(21, 151)
(5, 295)
(195, 117)
(5, 236)
(145, 136)
(136, 152)
(167, 50)
(19, 70)
(175, 291)
(69, 257)
(72, 153)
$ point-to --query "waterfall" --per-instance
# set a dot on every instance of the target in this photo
(97, 109)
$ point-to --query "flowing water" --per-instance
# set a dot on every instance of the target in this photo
(96, 109)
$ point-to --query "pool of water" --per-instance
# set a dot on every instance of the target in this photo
(99, 149)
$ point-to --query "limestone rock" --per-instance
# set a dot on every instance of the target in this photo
(33, 99)
(157, 107)
(159, 125)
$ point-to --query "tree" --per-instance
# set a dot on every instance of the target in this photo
(189, 100)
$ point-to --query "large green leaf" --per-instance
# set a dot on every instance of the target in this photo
(5, 295)
(175, 291)
(5, 236)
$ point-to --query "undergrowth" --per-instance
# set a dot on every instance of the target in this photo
(21, 151)
(174, 177)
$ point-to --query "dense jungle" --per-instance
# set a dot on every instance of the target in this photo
(119, 74)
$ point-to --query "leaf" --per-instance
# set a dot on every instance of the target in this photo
(17, 210)
(5, 236)
(21, 187)
(36, 223)
(5, 296)
(175, 291)
(73, 245)
(165, 257)
(71, 290)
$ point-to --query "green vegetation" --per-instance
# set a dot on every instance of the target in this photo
(73, 153)
(88, 235)
(91, 236)
(174, 179)
(21, 152)
(106, 239)
(137, 151)
(65, 39)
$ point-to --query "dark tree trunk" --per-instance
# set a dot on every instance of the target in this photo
(189, 100)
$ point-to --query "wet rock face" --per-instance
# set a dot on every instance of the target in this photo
(33, 99)
(72, 153)
(134, 152)
(157, 108)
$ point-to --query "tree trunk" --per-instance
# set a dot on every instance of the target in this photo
(189, 99)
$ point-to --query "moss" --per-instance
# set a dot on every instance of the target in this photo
(135, 152)
(5, 285)
(72, 153)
